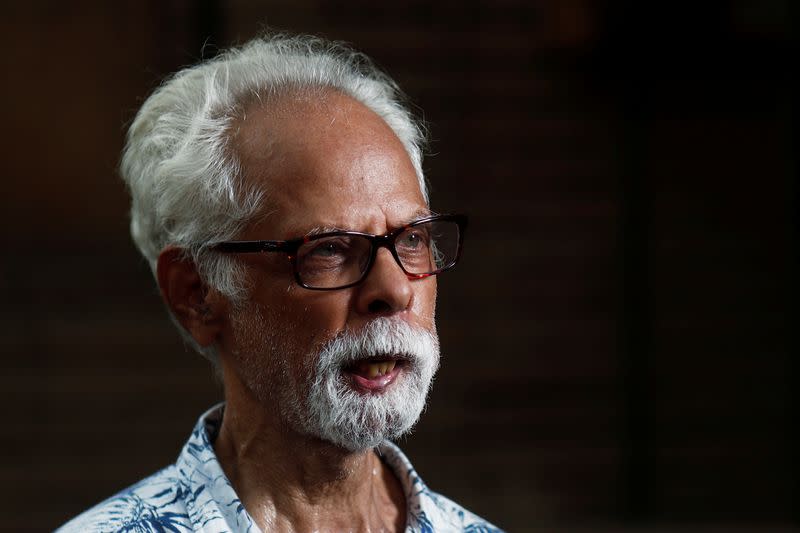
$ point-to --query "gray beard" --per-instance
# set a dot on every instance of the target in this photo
(356, 421)
(325, 405)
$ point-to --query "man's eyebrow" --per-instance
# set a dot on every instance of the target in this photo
(323, 229)
(422, 212)
(418, 214)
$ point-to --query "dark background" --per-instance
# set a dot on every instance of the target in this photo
(618, 341)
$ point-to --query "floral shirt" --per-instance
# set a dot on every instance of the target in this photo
(195, 495)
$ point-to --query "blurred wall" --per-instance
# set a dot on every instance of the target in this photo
(617, 341)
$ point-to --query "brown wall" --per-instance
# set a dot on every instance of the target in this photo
(617, 340)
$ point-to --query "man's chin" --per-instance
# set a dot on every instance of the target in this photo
(354, 442)
(360, 418)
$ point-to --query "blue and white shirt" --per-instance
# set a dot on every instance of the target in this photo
(195, 495)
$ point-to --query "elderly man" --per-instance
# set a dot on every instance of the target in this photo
(278, 195)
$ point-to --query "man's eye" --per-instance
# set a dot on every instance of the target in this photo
(412, 240)
(326, 249)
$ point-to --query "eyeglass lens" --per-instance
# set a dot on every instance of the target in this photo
(340, 260)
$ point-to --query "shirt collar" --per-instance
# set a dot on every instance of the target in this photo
(211, 501)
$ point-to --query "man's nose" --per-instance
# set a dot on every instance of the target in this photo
(386, 289)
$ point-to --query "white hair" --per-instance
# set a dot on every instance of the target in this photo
(178, 162)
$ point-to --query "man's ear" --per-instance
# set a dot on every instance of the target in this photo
(199, 310)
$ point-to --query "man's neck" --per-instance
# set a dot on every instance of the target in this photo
(292, 482)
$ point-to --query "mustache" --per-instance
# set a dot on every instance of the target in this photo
(381, 338)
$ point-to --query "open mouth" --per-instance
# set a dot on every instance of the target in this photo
(376, 373)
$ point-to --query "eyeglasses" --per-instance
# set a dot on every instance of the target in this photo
(342, 259)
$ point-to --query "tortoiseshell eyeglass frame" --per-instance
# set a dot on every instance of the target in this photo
(387, 240)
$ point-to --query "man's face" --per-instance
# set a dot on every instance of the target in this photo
(329, 163)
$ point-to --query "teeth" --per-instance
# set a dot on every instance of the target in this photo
(373, 370)
(388, 366)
